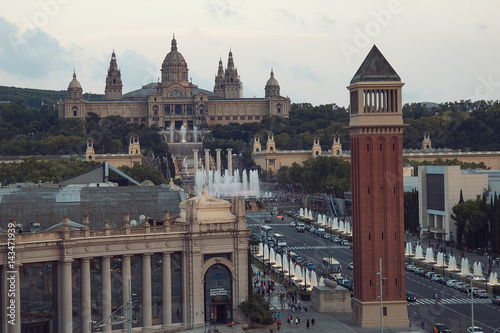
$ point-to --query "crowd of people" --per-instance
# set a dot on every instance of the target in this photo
(288, 301)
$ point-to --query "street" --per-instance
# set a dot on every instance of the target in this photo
(453, 308)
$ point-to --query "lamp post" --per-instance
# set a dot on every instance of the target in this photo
(451, 243)
(489, 257)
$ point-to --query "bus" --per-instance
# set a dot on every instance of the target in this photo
(331, 267)
(279, 240)
(267, 233)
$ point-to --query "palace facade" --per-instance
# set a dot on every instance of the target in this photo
(175, 101)
(175, 273)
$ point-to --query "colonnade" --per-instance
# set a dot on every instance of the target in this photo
(65, 294)
(380, 100)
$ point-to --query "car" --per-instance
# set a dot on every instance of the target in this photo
(411, 268)
(451, 283)
(423, 273)
(436, 277)
(292, 224)
(298, 259)
(410, 297)
(444, 280)
(481, 294)
(495, 300)
(350, 265)
(474, 329)
(458, 285)
(348, 285)
(310, 266)
(418, 270)
(335, 238)
(344, 242)
(429, 275)
(312, 230)
(440, 328)
(473, 291)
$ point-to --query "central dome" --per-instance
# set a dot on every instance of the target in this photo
(174, 58)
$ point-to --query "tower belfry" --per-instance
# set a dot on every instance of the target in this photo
(114, 84)
(376, 130)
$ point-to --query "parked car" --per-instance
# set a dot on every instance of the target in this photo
(411, 268)
(423, 273)
(444, 280)
(451, 283)
(436, 277)
(418, 270)
(429, 275)
(410, 297)
(474, 329)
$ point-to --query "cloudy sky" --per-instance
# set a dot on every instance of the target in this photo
(442, 50)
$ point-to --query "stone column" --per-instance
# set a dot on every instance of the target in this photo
(86, 309)
(167, 289)
(230, 161)
(67, 300)
(106, 291)
(217, 151)
(126, 276)
(147, 311)
(207, 161)
(195, 161)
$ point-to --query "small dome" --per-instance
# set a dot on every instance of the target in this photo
(74, 83)
(174, 58)
(272, 81)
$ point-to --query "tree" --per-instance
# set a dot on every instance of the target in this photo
(471, 218)
(142, 172)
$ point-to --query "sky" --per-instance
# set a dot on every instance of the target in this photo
(443, 50)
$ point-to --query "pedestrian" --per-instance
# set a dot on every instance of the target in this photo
(307, 323)
(423, 324)
(296, 322)
(312, 322)
(298, 317)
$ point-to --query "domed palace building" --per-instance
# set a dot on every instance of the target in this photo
(175, 101)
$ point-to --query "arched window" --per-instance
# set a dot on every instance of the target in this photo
(114, 81)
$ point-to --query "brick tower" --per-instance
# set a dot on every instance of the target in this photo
(376, 130)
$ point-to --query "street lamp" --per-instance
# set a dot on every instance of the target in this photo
(489, 257)
(451, 243)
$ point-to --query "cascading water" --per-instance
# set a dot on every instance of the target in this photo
(429, 255)
(301, 212)
(440, 260)
(452, 264)
(408, 251)
(464, 269)
(335, 223)
(228, 185)
(419, 252)
(478, 270)
(183, 134)
(493, 280)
